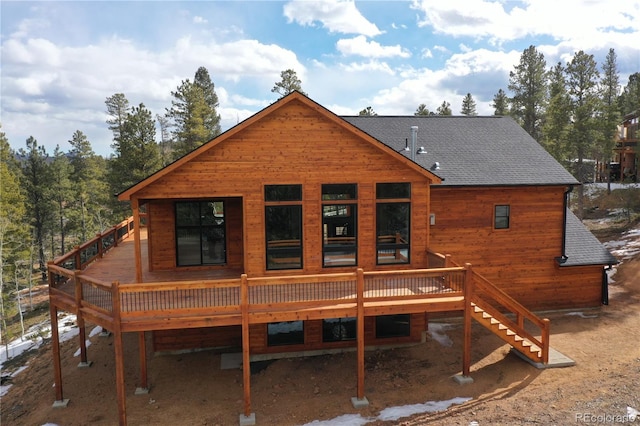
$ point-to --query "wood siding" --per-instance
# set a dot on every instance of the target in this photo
(520, 260)
(229, 339)
(293, 145)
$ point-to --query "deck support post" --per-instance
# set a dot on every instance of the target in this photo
(468, 292)
(135, 206)
(143, 389)
(119, 355)
(247, 417)
(57, 366)
(82, 330)
(360, 400)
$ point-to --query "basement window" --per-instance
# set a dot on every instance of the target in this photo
(285, 333)
(393, 326)
(338, 329)
(501, 217)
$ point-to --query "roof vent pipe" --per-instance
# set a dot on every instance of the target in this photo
(406, 144)
(414, 140)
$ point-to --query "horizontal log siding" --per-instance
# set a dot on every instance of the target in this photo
(520, 260)
(296, 145)
(229, 339)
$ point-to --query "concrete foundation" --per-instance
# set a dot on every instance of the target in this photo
(141, 391)
(462, 380)
(359, 403)
(249, 420)
(60, 404)
(85, 364)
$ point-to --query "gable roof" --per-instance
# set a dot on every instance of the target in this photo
(582, 247)
(471, 151)
(292, 97)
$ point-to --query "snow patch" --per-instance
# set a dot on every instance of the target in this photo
(390, 413)
(437, 333)
(581, 315)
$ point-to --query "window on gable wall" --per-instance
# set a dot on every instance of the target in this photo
(339, 224)
(393, 222)
(502, 217)
(283, 226)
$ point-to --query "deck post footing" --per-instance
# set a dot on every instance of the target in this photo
(60, 404)
(249, 420)
(462, 380)
(85, 364)
(141, 391)
(359, 403)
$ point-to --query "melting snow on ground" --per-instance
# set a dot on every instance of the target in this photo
(33, 338)
(391, 413)
(437, 333)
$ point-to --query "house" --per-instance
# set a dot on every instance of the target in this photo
(625, 163)
(302, 231)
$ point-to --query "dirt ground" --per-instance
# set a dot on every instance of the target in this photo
(191, 389)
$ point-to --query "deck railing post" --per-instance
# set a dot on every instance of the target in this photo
(468, 293)
(55, 346)
(545, 340)
(246, 355)
(77, 258)
(82, 334)
(100, 248)
(119, 355)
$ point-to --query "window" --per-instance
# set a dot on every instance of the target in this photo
(393, 325)
(200, 233)
(283, 226)
(285, 333)
(501, 217)
(339, 329)
(339, 224)
(393, 214)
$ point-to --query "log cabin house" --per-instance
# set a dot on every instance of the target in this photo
(301, 231)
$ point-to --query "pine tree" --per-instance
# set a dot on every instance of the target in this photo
(13, 230)
(610, 115)
(117, 108)
(368, 111)
(500, 103)
(62, 195)
(422, 110)
(444, 108)
(629, 100)
(36, 178)
(289, 82)
(557, 121)
(528, 84)
(194, 113)
(582, 81)
(89, 186)
(468, 105)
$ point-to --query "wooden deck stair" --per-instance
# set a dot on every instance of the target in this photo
(510, 332)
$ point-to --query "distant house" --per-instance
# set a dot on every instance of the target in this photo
(625, 164)
(301, 231)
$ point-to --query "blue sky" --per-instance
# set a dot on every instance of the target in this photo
(61, 60)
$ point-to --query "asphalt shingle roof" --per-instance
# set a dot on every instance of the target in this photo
(582, 247)
(471, 151)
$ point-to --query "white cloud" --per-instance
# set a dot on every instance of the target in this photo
(426, 53)
(340, 16)
(371, 65)
(199, 20)
(370, 49)
(579, 20)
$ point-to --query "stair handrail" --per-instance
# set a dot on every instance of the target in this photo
(512, 305)
(521, 312)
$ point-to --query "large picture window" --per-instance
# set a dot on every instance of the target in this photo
(200, 233)
(283, 226)
(339, 224)
(393, 325)
(393, 222)
(285, 333)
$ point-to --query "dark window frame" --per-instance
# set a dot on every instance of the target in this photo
(398, 249)
(288, 338)
(384, 323)
(343, 329)
(204, 230)
(286, 253)
(339, 231)
(502, 219)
